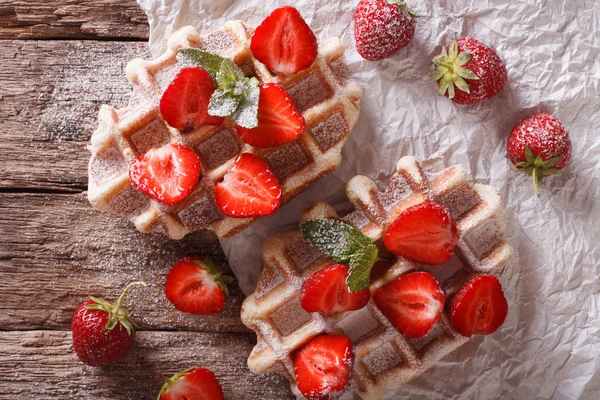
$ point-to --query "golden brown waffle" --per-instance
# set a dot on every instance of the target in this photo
(328, 99)
(383, 356)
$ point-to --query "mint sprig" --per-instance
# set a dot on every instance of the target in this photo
(344, 244)
(236, 95)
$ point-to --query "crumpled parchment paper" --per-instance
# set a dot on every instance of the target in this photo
(549, 346)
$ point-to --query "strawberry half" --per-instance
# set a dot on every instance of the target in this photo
(167, 174)
(192, 384)
(323, 367)
(284, 42)
(479, 308)
(424, 233)
(184, 104)
(326, 291)
(279, 120)
(413, 303)
(249, 189)
(195, 286)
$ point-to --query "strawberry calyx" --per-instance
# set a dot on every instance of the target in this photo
(402, 5)
(450, 71)
(216, 274)
(169, 382)
(537, 168)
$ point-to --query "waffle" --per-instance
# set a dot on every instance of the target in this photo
(383, 356)
(328, 99)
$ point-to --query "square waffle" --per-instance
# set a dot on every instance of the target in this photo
(328, 99)
(383, 356)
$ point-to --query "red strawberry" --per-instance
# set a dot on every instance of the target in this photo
(249, 189)
(479, 307)
(279, 121)
(192, 384)
(195, 286)
(413, 303)
(424, 233)
(184, 104)
(469, 72)
(167, 174)
(284, 42)
(382, 27)
(102, 332)
(326, 292)
(540, 146)
(323, 367)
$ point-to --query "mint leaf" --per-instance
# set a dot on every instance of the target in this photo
(359, 277)
(222, 104)
(210, 62)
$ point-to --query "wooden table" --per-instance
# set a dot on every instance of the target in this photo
(60, 60)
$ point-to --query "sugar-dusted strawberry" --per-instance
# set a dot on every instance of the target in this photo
(191, 384)
(539, 146)
(479, 308)
(249, 189)
(184, 104)
(195, 286)
(167, 174)
(424, 233)
(327, 292)
(469, 72)
(284, 42)
(382, 27)
(279, 120)
(102, 331)
(323, 367)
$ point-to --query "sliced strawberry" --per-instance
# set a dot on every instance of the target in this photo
(413, 303)
(323, 367)
(167, 174)
(424, 233)
(279, 120)
(479, 308)
(184, 104)
(326, 292)
(195, 286)
(192, 384)
(284, 42)
(249, 189)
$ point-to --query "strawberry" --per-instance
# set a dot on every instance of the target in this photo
(103, 332)
(469, 72)
(279, 120)
(184, 104)
(424, 233)
(195, 286)
(284, 42)
(413, 303)
(382, 27)
(191, 384)
(323, 367)
(327, 292)
(479, 307)
(249, 189)
(540, 146)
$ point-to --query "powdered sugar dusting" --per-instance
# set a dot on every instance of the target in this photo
(129, 203)
(220, 147)
(151, 136)
(358, 324)
(382, 358)
(107, 164)
(290, 317)
(303, 254)
(310, 91)
(286, 160)
(199, 214)
(483, 238)
(459, 200)
(330, 131)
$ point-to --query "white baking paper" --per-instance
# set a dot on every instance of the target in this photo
(549, 346)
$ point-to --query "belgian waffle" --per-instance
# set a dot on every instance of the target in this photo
(383, 356)
(328, 99)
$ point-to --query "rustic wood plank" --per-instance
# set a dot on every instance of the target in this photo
(72, 19)
(42, 365)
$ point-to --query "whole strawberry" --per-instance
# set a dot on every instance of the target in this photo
(469, 72)
(382, 27)
(102, 332)
(539, 146)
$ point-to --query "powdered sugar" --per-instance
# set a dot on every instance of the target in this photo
(330, 131)
(309, 91)
(286, 160)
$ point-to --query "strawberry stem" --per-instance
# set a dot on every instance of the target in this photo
(122, 296)
(534, 176)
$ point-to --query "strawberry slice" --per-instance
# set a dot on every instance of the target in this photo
(249, 189)
(413, 303)
(323, 367)
(195, 286)
(479, 308)
(326, 292)
(424, 233)
(184, 104)
(167, 174)
(284, 42)
(192, 384)
(279, 120)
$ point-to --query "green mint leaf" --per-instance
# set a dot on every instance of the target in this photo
(359, 277)
(229, 75)
(210, 62)
(247, 112)
(223, 104)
